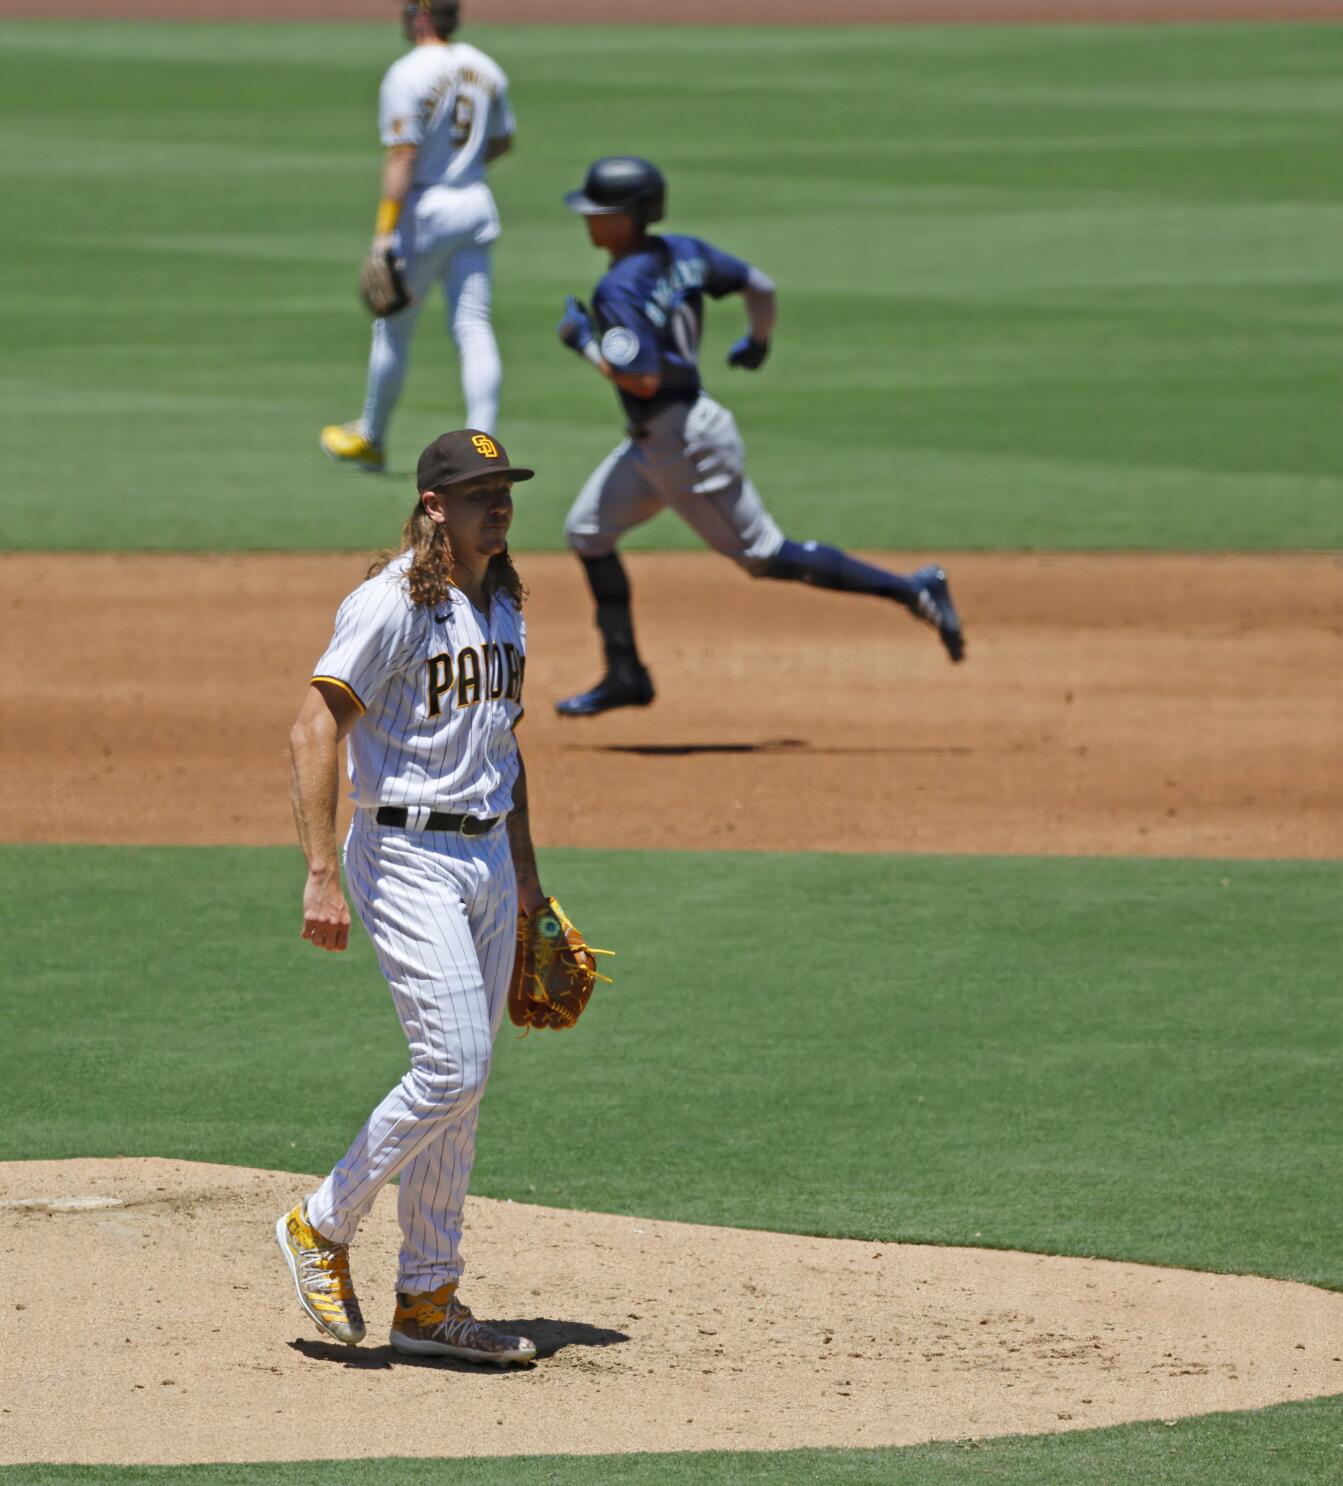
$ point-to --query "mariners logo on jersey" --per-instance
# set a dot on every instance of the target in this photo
(620, 345)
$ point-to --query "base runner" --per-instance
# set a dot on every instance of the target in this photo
(682, 449)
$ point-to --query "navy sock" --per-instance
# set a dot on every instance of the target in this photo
(611, 590)
(828, 567)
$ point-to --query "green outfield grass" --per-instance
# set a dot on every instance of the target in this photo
(1040, 287)
(1132, 1060)
(1292, 1445)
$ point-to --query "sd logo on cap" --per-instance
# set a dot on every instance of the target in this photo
(465, 454)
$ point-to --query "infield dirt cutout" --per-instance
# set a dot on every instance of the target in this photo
(1111, 705)
(164, 1330)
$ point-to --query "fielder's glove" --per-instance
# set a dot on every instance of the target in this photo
(575, 328)
(553, 971)
(748, 353)
(381, 285)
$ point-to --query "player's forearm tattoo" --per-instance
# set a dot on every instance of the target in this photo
(520, 841)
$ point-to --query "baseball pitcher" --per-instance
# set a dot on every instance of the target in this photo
(423, 679)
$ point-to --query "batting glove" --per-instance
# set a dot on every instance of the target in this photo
(575, 329)
(748, 353)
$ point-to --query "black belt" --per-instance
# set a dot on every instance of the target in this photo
(438, 820)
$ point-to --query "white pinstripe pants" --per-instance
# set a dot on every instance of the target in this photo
(441, 911)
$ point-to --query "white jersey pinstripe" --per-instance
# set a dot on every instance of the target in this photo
(440, 691)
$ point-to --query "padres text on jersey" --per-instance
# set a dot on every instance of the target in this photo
(440, 689)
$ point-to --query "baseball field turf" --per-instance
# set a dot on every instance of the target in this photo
(1112, 1058)
(1273, 1447)
(1057, 289)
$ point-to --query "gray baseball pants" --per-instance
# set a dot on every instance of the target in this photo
(689, 457)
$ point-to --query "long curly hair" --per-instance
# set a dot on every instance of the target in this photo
(429, 577)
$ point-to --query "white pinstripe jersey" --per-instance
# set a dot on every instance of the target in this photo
(439, 690)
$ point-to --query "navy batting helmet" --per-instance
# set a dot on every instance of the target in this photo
(621, 184)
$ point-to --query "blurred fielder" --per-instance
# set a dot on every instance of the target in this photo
(444, 115)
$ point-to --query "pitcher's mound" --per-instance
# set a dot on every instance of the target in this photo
(158, 1324)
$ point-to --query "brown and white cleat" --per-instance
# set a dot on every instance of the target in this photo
(435, 1323)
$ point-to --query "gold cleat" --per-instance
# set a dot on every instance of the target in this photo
(321, 1272)
(346, 444)
(436, 1324)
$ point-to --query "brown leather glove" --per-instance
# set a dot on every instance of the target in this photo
(553, 971)
(381, 285)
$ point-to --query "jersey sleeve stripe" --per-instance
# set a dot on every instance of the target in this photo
(344, 686)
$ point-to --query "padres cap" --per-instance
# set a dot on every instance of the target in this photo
(466, 454)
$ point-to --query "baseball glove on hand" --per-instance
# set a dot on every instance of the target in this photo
(381, 286)
(553, 972)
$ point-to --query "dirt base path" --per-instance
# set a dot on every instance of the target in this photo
(1152, 706)
(796, 1342)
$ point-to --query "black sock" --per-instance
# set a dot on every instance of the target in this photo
(828, 567)
(611, 589)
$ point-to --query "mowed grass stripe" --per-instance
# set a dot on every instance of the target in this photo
(1292, 1445)
(1060, 288)
(1129, 1059)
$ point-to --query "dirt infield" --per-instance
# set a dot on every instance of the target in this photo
(797, 1342)
(706, 12)
(1145, 706)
